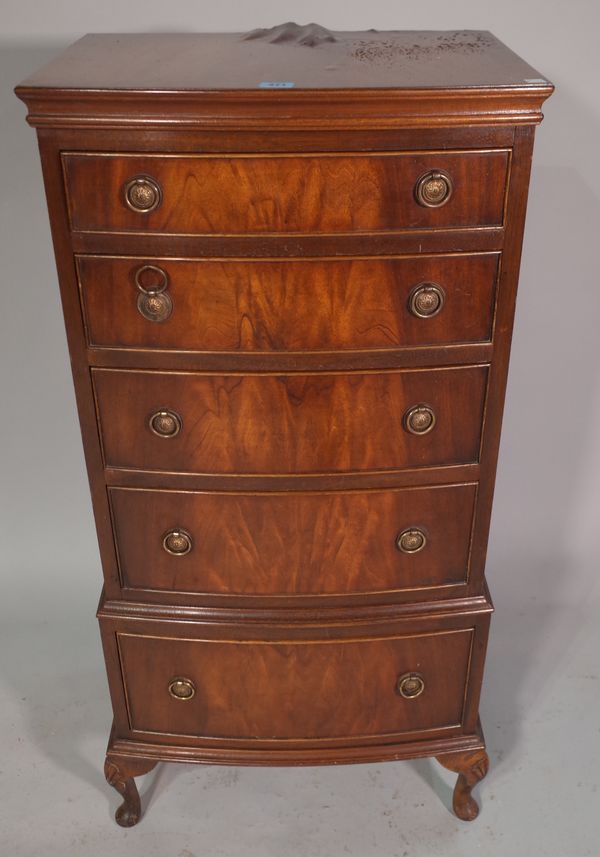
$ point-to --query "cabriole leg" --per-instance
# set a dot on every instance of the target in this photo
(471, 768)
(120, 772)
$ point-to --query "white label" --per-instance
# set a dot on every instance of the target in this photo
(276, 84)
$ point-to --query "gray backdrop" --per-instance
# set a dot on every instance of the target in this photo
(541, 694)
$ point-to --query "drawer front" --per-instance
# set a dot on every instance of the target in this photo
(294, 543)
(294, 690)
(288, 305)
(316, 193)
(289, 424)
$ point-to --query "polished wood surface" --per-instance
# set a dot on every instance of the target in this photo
(313, 58)
(120, 773)
(288, 690)
(316, 423)
(323, 652)
(291, 239)
(292, 305)
(391, 79)
(337, 193)
(471, 768)
(294, 543)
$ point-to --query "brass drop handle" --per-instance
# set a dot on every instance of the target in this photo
(182, 688)
(412, 540)
(177, 542)
(420, 419)
(410, 685)
(165, 423)
(434, 188)
(154, 303)
(142, 194)
(426, 300)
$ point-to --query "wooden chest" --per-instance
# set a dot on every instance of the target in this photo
(288, 263)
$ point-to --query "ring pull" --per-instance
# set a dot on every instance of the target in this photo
(410, 685)
(182, 688)
(420, 419)
(411, 541)
(165, 423)
(426, 300)
(154, 303)
(177, 542)
(142, 194)
(434, 189)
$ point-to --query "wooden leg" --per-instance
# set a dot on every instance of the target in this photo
(471, 767)
(119, 772)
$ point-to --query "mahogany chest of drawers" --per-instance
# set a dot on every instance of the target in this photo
(288, 263)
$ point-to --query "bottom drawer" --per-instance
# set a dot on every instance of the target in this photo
(343, 683)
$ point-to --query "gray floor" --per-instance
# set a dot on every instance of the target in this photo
(540, 711)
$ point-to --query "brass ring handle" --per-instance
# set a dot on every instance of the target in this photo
(163, 279)
(154, 303)
(426, 300)
(434, 188)
(182, 688)
(410, 685)
(412, 540)
(420, 419)
(142, 194)
(177, 542)
(165, 423)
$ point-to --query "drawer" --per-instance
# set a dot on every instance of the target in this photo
(290, 424)
(288, 305)
(293, 543)
(282, 688)
(296, 193)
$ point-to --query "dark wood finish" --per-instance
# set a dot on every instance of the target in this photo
(411, 477)
(410, 241)
(317, 423)
(261, 194)
(119, 773)
(509, 276)
(290, 361)
(362, 137)
(294, 543)
(310, 649)
(471, 768)
(385, 79)
(284, 691)
(282, 306)
(291, 236)
(261, 610)
(154, 62)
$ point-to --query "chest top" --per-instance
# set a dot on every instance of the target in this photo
(292, 72)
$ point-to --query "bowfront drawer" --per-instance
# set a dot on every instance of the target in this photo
(300, 690)
(297, 423)
(258, 194)
(287, 305)
(293, 543)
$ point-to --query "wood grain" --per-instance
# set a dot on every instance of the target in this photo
(295, 424)
(296, 305)
(432, 80)
(257, 194)
(232, 63)
(120, 773)
(471, 768)
(291, 235)
(290, 690)
(293, 543)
